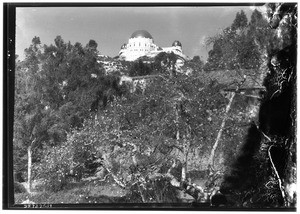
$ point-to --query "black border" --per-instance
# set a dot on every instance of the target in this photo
(9, 22)
(8, 102)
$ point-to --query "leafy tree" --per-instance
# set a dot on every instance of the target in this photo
(269, 147)
(214, 57)
(196, 64)
(57, 88)
(92, 45)
(75, 85)
(29, 123)
(87, 122)
(141, 137)
(239, 46)
(55, 166)
(240, 22)
(196, 59)
(165, 62)
(138, 68)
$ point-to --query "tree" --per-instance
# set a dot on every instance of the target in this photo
(146, 141)
(92, 45)
(240, 45)
(214, 57)
(29, 125)
(75, 84)
(138, 68)
(196, 64)
(143, 137)
(240, 22)
(165, 62)
(269, 146)
(56, 87)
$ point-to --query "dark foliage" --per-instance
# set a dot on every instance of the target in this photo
(106, 91)
(19, 188)
(240, 176)
(275, 111)
(19, 177)
(218, 200)
(276, 120)
(140, 69)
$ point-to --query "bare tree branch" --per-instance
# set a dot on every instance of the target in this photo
(116, 179)
(278, 177)
(212, 155)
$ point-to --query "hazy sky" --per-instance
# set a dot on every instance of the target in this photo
(111, 27)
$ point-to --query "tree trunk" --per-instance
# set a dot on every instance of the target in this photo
(183, 172)
(278, 177)
(186, 149)
(212, 154)
(29, 168)
(141, 194)
(135, 149)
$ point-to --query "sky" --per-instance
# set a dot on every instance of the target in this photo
(111, 27)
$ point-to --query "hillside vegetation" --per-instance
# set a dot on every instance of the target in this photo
(166, 134)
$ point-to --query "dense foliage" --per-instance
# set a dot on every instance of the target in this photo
(76, 123)
(242, 44)
(270, 144)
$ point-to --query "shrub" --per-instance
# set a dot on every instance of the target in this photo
(19, 188)
(55, 166)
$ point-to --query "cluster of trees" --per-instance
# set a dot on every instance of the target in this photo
(264, 174)
(73, 120)
(57, 87)
(163, 63)
(243, 44)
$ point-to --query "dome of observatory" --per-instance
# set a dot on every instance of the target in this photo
(176, 43)
(142, 34)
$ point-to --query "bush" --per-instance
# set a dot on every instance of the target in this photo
(140, 69)
(55, 166)
(20, 197)
(19, 188)
(67, 163)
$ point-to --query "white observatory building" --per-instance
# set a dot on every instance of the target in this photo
(141, 43)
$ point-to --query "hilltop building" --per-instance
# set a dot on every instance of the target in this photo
(141, 43)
